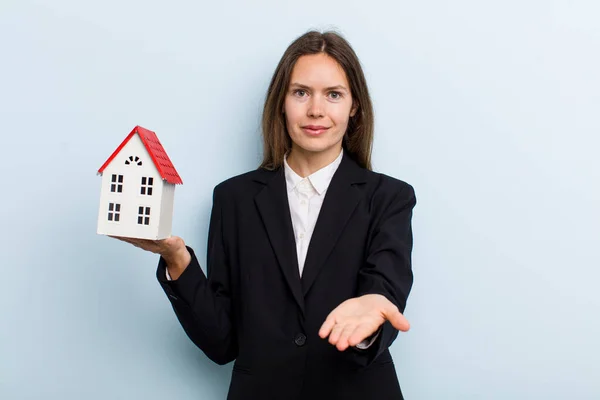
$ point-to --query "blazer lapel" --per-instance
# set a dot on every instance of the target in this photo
(273, 205)
(341, 199)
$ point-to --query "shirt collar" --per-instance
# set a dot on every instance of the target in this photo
(319, 179)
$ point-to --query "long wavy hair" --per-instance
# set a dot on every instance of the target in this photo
(358, 139)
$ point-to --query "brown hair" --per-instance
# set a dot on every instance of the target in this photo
(358, 140)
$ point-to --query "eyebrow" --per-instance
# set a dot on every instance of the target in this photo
(308, 87)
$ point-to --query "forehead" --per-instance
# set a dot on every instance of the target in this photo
(317, 70)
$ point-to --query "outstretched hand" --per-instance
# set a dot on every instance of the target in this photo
(358, 318)
(168, 246)
(172, 249)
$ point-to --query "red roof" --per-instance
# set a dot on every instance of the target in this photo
(155, 150)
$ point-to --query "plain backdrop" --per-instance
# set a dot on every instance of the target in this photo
(489, 109)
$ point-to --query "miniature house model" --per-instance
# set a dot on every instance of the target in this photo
(138, 189)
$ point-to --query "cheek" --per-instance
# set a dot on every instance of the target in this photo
(293, 113)
(340, 116)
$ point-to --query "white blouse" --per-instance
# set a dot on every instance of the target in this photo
(306, 196)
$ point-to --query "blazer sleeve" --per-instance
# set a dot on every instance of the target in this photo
(387, 269)
(202, 303)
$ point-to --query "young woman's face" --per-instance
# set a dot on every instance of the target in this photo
(318, 105)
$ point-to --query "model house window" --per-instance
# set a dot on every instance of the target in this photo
(144, 216)
(146, 188)
(134, 160)
(114, 212)
(116, 183)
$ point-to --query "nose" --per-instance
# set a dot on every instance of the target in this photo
(315, 107)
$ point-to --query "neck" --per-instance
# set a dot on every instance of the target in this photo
(305, 163)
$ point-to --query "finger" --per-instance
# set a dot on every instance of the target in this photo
(342, 343)
(125, 239)
(138, 243)
(362, 332)
(121, 238)
(143, 244)
(335, 333)
(134, 242)
(397, 320)
(327, 326)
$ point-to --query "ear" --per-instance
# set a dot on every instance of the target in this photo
(354, 109)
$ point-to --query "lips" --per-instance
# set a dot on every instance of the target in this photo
(314, 130)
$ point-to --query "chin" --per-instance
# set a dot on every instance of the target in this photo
(316, 145)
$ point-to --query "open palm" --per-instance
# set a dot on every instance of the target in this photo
(358, 318)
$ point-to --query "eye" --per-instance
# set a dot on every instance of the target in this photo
(299, 92)
(335, 95)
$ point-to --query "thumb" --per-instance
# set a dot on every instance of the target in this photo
(397, 320)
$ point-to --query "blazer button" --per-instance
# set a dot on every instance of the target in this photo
(300, 340)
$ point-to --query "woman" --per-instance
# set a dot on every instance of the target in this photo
(309, 256)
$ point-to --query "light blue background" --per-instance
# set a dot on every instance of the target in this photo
(489, 109)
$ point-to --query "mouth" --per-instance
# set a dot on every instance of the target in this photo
(314, 130)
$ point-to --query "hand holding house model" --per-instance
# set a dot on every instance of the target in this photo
(138, 189)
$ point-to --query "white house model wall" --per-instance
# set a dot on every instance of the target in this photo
(135, 201)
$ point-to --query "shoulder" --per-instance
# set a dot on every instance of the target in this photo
(244, 183)
(387, 184)
(385, 190)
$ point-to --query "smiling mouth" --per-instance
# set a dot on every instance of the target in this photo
(314, 131)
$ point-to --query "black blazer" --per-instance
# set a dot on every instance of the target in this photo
(255, 309)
